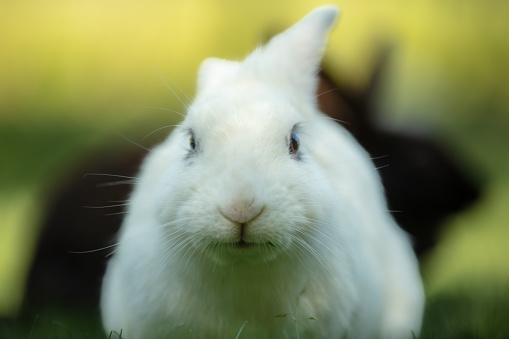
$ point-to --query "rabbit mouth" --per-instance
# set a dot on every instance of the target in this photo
(242, 244)
(241, 251)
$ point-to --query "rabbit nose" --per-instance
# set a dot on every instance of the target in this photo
(242, 210)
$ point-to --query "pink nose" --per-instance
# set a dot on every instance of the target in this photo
(242, 211)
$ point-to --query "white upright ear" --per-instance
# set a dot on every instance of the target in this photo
(214, 72)
(297, 52)
(291, 59)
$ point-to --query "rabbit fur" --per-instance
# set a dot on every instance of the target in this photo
(259, 210)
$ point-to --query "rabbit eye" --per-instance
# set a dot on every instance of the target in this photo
(294, 143)
(192, 143)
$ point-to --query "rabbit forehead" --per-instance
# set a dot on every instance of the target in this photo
(246, 113)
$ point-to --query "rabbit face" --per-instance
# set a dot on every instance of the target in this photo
(246, 181)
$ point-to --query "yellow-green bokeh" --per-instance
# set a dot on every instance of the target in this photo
(74, 73)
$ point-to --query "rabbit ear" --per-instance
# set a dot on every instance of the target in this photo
(214, 72)
(294, 55)
(290, 60)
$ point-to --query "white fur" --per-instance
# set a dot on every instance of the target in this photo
(325, 245)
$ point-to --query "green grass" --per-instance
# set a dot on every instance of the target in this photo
(471, 312)
(57, 323)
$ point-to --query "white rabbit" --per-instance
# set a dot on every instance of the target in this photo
(260, 209)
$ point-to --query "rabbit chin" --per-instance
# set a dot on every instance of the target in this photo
(244, 252)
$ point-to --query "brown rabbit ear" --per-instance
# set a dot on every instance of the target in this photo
(383, 53)
(333, 102)
(353, 108)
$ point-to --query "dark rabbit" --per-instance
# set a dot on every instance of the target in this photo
(423, 182)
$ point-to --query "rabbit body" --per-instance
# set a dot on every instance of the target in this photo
(259, 209)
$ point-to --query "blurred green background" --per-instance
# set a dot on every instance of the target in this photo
(75, 73)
